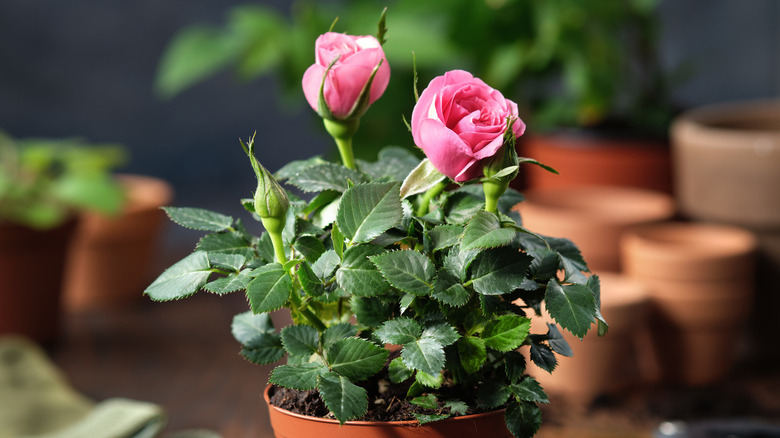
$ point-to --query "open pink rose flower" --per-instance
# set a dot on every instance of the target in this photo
(459, 122)
(359, 56)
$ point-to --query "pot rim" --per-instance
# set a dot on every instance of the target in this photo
(712, 121)
(407, 423)
(687, 240)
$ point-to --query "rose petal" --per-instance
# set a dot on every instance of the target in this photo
(343, 86)
(444, 148)
(312, 79)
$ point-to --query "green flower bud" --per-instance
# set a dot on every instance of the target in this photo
(271, 200)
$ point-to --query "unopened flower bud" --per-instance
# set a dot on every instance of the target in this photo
(270, 199)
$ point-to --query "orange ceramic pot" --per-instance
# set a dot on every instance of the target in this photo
(602, 364)
(111, 257)
(31, 269)
(597, 160)
(593, 217)
(287, 424)
(700, 303)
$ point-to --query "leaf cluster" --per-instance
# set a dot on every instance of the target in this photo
(452, 287)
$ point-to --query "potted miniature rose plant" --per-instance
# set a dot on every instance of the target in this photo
(410, 284)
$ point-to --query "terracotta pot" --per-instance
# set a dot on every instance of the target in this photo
(727, 170)
(287, 424)
(597, 160)
(111, 257)
(31, 268)
(602, 364)
(593, 217)
(700, 303)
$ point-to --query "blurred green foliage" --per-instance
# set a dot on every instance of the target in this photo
(567, 63)
(43, 182)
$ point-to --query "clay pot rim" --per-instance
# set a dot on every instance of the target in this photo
(409, 423)
(687, 240)
(145, 192)
(605, 204)
(716, 122)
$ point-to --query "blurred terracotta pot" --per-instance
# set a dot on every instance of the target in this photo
(606, 364)
(700, 303)
(593, 217)
(31, 268)
(110, 259)
(727, 170)
(288, 424)
(583, 159)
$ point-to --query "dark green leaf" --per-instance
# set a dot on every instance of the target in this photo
(298, 166)
(444, 236)
(557, 341)
(300, 340)
(499, 271)
(421, 179)
(472, 353)
(230, 283)
(484, 231)
(368, 210)
(448, 290)
(310, 282)
(263, 349)
(425, 354)
(345, 400)
(326, 264)
(457, 407)
(310, 247)
(458, 262)
(426, 401)
(302, 377)
(573, 306)
(336, 332)
(270, 288)
(509, 200)
(199, 219)
(231, 262)
(506, 332)
(407, 270)
(399, 372)
(493, 393)
(182, 279)
(594, 284)
(356, 358)
(338, 240)
(370, 312)
(442, 332)
(523, 419)
(393, 162)
(358, 276)
(399, 331)
(227, 242)
(461, 207)
(247, 326)
(529, 390)
(325, 176)
(543, 357)
(514, 364)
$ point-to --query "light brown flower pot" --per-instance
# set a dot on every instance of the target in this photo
(593, 217)
(111, 257)
(727, 170)
(700, 304)
(31, 270)
(602, 364)
(287, 424)
(597, 160)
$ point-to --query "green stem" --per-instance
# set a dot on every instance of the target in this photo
(274, 226)
(276, 240)
(345, 150)
(342, 131)
(313, 319)
(493, 191)
(427, 197)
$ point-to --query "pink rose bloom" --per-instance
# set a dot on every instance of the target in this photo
(346, 79)
(459, 122)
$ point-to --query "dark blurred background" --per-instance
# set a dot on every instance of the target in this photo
(87, 68)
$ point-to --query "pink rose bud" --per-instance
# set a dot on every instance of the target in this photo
(356, 59)
(459, 122)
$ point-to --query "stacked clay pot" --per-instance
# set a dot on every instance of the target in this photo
(700, 278)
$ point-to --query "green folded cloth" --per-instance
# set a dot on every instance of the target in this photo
(36, 401)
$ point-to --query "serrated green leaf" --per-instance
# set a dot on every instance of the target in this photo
(270, 288)
(493, 393)
(442, 332)
(557, 341)
(343, 398)
(499, 271)
(523, 419)
(326, 176)
(529, 389)
(421, 179)
(514, 365)
(300, 340)
(227, 242)
(543, 357)
(338, 240)
(370, 312)
(298, 166)
(506, 332)
(398, 372)
(182, 279)
(392, 162)
(472, 353)
(457, 407)
(458, 262)
(230, 283)
(399, 331)
(358, 276)
(310, 282)
(509, 200)
(355, 358)
(544, 265)
(445, 236)
(461, 207)
(263, 349)
(368, 210)
(428, 401)
(573, 306)
(594, 284)
(484, 231)
(198, 218)
(326, 264)
(302, 377)
(247, 326)
(265, 248)
(448, 290)
(407, 270)
(310, 247)
(424, 354)
(406, 302)
(336, 332)
(232, 262)
(429, 418)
